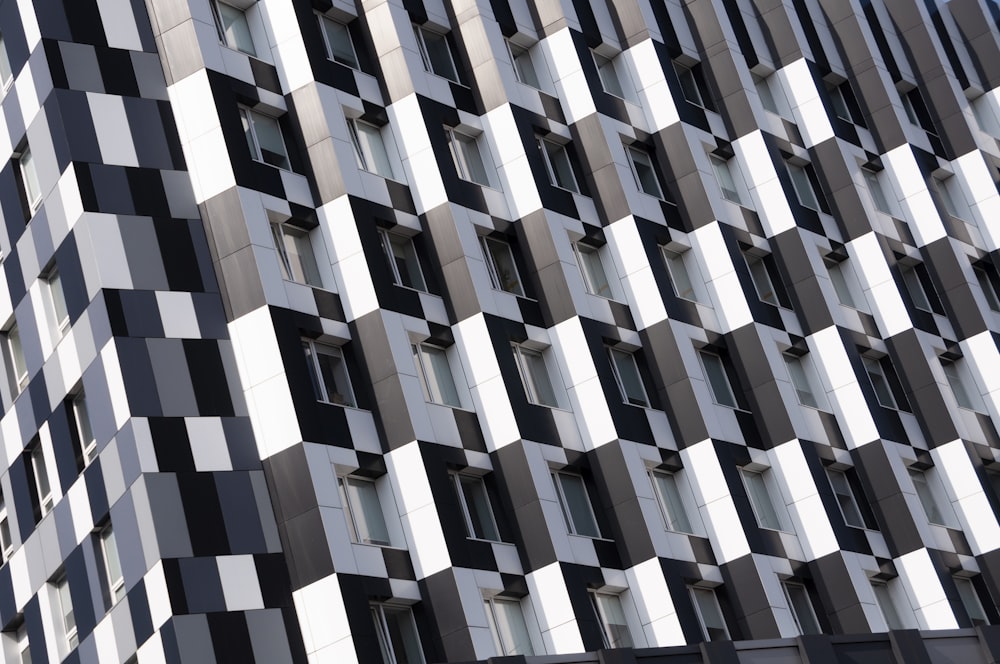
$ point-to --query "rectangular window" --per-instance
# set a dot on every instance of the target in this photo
(29, 177)
(952, 197)
(23, 649)
(802, 380)
(524, 67)
(985, 280)
(233, 28)
(112, 564)
(614, 627)
(435, 375)
(920, 287)
(66, 615)
(575, 504)
(928, 498)
(88, 442)
(328, 372)
(839, 104)
(802, 183)
(801, 608)
(436, 53)
(401, 255)
(962, 385)
(887, 606)
(680, 274)
(476, 509)
(363, 511)
(970, 600)
(627, 376)
(762, 499)
(608, 74)
(510, 632)
(690, 86)
(558, 165)
(397, 634)
(727, 183)
(295, 254)
(877, 191)
(500, 263)
(369, 148)
(839, 275)
(644, 171)
(6, 73)
(718, 379)
(671, 506)
(43, 490)
(339, 45)
(844, 493)
(57, 302)
(760, 275)
(264, 140)
(468, 156)
(881, 380)
(535, 377)
(592, 269)
(15, 355)
(706, 605)
(772, 97)
(6, 542)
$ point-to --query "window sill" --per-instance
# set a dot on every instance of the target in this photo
(776, 530)
(342, 405)
(449, 406)
(379, 546)
(638, 405)
(544, 405)
(555, 186)
(489, 541)
(597, 538)
(523, 297)
(436, 75)
(343, 64)
(249, 55)
(480, 184)
(264, 163)
(384, 177)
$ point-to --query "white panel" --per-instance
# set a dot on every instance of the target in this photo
(322, 616)
(238, 575)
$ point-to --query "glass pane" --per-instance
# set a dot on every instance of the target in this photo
(629, 380)
(66, 603)
(403, 635)
(268, 135)
(926, 496)
(536, 378)
(798, 600)
(26, 655)
(878, 194)
(113, 563)
(58, 300)
(800, 381)
(511, 628)
(383, 636)
(593, 270)
(5, 540)
(477, 503)
(609, 77)
(367, 512)
(372, 147)
(523, 66)
(5, 72)
(338, 38)
(333, 374)
(711, 615)
(803, 187)
(915, 289)
(472, 166)
(235, 29)
(438, 380)
(279, 246)
(839, 104)
(304, 257)
(766, 96)
(438, 55)
(406, 266)
(986, 285)
(41, 475)
(17, 357)
(836, 271)
(31, 187)
(578, 505)
(948, 197)
(670, 502)
(679, 276)
(609, 610)
(505, 271)
(715, 371)
(958, 386)
(879, 383)
(689, 86)
(845, 498)
(888, 606)
(248, 134)
(762, 281)
(760, 498)
(725, 177)
(645, 174)
(561, 171)
(970, 600)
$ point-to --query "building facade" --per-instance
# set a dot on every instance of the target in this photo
(437, 330)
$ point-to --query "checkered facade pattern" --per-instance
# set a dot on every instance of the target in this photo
(440, 330)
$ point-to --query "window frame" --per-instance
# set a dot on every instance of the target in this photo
(714, 385)
(40, 474)
(420, 32)
(67, 619)
(528, 377)
(29, 179)
(759, 269)
(794, 607)
(330, 55)
(249, 117)
(573, 528)
(502, 648)
(424, 350)
(320, 388)
(631, 400)
(633, 151)
(367, 160)
(970, 596)
(603, 63)
(515, 58)
(916, 280)
(842, 283)
(694, 592)
(109, 546)
(586, 266)
(777, 509)
(383, 631)
(805, 382)
(305, 262)
(55, 298)
(458, 479)
(81, 415)
(554, 179)
(457, 139)
(886, 604)
(687, 74)
(802, 184)
(722, 167)
(963, 385)
(850, 497)
(924, 485)
(876, 191)
(6, 536)
(221, 30)
(675, 516)
(674, 259)
(6, 70)
(386, 238)
(491, 265)
(600, 602)
(987, 286)
(357, 516)
(877, 363)
(15, 356)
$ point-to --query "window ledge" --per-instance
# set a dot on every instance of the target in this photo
(588, 537)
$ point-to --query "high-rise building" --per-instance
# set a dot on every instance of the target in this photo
(414, 331)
